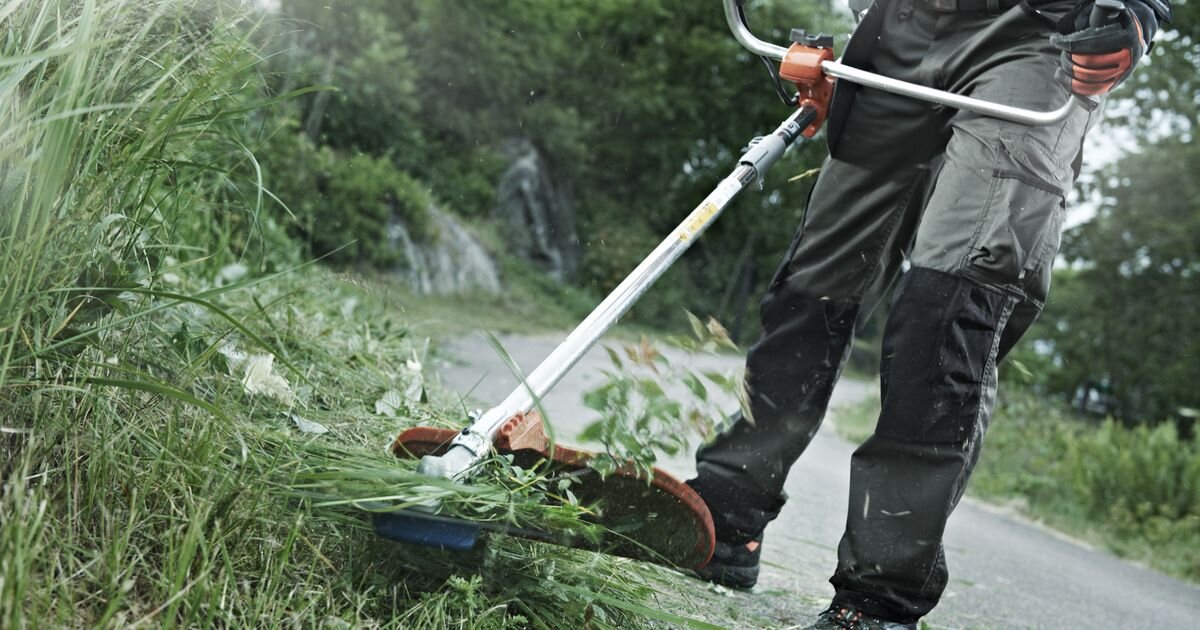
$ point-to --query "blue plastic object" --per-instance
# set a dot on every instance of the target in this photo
(426, 529)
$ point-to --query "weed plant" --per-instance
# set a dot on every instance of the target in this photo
(1136, 490)
(639, 419)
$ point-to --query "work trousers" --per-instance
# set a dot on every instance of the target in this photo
(976, 206)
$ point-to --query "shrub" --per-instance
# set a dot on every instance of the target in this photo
(1137, 488)
(344, 206)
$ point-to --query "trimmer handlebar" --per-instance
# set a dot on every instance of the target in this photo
(838, 70)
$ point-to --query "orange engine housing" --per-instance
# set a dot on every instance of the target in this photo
(802, 66)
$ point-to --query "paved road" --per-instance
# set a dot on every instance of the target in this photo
(1006, 572)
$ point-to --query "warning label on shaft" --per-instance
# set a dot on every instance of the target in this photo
(700, 217)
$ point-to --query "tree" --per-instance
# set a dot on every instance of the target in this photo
(642, 105)
(353, 48)
(1127, 315)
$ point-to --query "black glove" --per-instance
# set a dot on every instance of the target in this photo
(1098, 58)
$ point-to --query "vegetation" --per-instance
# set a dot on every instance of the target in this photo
(639, 420)
(1116, 338)
(344, 208)
(192, 416)
(644, 96)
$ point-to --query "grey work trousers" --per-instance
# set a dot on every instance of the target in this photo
(976, 205)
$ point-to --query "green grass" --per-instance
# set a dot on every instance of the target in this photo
(856, 421)
(151, 471)
(162, 513)
(518, 309)
(531, 303)
(1133, 491)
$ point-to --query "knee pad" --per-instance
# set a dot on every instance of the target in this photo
(939, 353)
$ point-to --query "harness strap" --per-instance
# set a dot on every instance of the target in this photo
(977, 6)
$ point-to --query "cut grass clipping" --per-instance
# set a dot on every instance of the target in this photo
(172, 410)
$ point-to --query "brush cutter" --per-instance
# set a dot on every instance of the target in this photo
(658, 519)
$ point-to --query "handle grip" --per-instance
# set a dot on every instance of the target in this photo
(1105, 12)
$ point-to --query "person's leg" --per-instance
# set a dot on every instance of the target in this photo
(859, 221)
(980, 272)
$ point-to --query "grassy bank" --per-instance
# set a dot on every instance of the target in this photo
(186, 407)
(1134, 491)
(143, 508)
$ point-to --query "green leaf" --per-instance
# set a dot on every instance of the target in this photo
(162, 389)
(650, 388)
(724, 382)
(698, 328)
(696, 386)
(614, 357)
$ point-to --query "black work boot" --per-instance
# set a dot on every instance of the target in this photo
(846, 618)
(735, 566)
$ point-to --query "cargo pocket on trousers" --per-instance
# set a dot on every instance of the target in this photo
(939, 338)
(1017, 231)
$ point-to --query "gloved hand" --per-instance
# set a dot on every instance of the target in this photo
(1097, 58)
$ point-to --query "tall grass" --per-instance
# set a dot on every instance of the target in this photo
(142, 482)
(119, 121)
(121, 127)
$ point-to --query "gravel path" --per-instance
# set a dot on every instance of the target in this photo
(1005, 571)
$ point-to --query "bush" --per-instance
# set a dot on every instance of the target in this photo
(468, 181)
(355, 49)
(1144, 470)
(344, 207)
(1137, 488)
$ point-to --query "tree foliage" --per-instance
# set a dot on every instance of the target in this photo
(1121, 318)
(639, 106)
(1163, 96)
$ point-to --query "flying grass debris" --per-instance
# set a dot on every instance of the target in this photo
(260, 378)
(308, 426)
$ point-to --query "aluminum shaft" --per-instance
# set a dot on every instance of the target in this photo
(957, 101)
(473, 443)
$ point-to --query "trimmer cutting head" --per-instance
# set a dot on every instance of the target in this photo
(663, 521)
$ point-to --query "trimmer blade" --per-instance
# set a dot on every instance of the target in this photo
(429, 530)
(661, 520)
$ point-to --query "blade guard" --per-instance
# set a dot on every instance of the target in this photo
(663, 521)
(802, 66)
